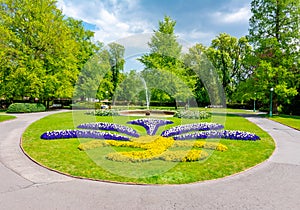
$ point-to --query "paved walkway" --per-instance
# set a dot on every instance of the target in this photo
(274, 184)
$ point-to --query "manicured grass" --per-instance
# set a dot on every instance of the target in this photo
(291, 121)
(64, 156)
(6, 117)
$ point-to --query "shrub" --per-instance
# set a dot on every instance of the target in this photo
(86, 105)
(188, 114)
(25, 108)
(103, 112)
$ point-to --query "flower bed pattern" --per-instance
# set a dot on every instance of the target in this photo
(191, 127)
(155, 150)
(151, 125)
(155, 147)
(110, 127)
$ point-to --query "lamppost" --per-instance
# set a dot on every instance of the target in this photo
(254, 102)
(271, 105)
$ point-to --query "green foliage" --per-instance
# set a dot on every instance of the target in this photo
(103, 112)
(207, 88)
(25, 108)
(106, 87)
(274, 32)
(190, 114)
(92, 74)
(116, 60)
(278, 20)
(165, 70)
(228, 55)
(131, 89)
(86, 105)
(41, 51)
(266, 77)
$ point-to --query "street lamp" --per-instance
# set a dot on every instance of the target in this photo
(254, 102)
(271, 105)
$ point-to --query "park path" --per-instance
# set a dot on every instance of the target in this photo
(274, 184)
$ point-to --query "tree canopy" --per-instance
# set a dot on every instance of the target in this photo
(41, 51)
(274, 32)
(165, 61)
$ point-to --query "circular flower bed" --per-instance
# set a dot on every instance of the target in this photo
(154, 147)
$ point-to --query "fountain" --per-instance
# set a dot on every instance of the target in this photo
(147, 112)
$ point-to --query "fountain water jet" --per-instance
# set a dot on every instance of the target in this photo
(147, 112)
(146, 93)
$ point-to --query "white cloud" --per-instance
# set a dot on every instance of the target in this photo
(197, 36)
(240, 15)
(114, 19)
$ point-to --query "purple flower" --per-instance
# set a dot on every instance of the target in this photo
(191, 127)
(151, 125)
(224, 134)
(110, 127)
(67, 134)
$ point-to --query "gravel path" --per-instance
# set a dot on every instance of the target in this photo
(274, 184)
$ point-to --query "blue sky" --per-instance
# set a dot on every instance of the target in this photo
(197, 21)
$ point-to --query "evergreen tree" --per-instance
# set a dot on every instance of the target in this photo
(164, 61)
(116, 60)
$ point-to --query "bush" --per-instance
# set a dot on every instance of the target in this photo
(239, 106)
(188, 114)
(25, 108)
(103, 112)
(86, 105)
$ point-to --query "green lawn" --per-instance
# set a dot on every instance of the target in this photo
(6, 117)
(64, 156)
(291, 121)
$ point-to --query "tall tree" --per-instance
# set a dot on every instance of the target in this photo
(43, 52)
(165, 58)
(228, 55)
(165, 51)
(92, 75)
(116, 60)
(208, 89)
(83, 37)
(274, 32)
(131, 88)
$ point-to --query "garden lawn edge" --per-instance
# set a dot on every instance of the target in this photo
(240, 173)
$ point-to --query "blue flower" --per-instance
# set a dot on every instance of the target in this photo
(182, 132)
(151, 125)
(191, 127)
(224, 134)
(110, 127)
(67, 134)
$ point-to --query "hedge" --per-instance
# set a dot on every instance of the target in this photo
(25, 108)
